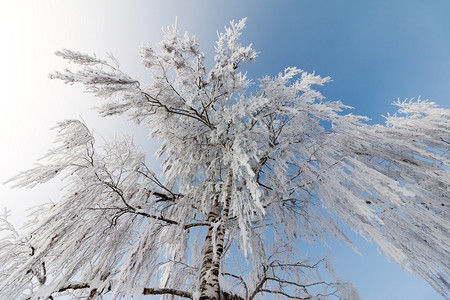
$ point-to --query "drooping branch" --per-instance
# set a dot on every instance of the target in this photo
(240, 279)
(284, 294)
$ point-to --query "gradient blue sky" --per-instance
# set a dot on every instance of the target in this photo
(375, 52)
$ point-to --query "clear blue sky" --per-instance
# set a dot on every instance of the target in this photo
(375, 52)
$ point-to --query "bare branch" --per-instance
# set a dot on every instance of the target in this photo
(284, 294)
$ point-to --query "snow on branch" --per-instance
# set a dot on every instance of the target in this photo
(248, 171)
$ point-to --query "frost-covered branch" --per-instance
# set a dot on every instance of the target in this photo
(108, 287)
(248, 170)
(162, 291)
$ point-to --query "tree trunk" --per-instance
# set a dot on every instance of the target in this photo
(213, 247)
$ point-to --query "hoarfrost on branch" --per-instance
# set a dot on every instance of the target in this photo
(248, 170)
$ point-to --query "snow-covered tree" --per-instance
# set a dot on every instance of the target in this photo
(249, 169)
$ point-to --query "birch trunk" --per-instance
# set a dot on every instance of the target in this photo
(213, 247)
